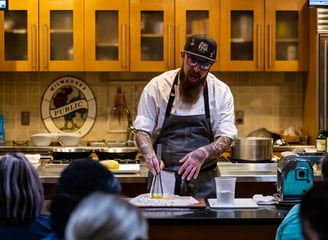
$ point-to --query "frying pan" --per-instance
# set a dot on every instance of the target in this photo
(117, 153)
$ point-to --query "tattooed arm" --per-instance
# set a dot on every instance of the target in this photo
(192, 162)
(145, 146)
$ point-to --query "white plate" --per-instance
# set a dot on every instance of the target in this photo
(238, 203)
(127, 168)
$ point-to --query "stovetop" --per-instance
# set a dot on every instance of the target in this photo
(121, 161)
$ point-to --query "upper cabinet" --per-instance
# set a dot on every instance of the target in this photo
(151, 35)
(195, 17)
(107, 35)
(147, 35)
(42, 36)
(263, 35)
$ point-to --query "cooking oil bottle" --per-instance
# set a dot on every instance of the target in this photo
(321, 141)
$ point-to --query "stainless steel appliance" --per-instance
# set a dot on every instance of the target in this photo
(322, 29)
(295, 175)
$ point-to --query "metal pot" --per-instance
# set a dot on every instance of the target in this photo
(252, 149)
(117, 153)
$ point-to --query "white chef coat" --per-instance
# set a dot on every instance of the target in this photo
(155, 96)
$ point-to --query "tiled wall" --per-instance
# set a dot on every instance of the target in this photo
(270, 100)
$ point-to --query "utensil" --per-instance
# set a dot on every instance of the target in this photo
(157, 186)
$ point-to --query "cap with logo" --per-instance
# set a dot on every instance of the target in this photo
(201, 46)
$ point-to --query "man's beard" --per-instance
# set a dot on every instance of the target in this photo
(190, 91)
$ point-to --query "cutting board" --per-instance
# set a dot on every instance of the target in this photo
(127, 168)
(238, 203)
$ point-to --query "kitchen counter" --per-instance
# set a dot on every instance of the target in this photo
(188, 223)
(245, 172)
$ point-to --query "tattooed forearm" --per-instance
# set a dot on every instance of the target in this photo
(219, 146)
(144, 143)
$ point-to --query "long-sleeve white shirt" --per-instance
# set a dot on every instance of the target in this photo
(155, 96)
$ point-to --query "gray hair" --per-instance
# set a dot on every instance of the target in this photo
(103, 216)
(21, 192)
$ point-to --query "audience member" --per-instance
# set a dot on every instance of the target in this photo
(314, 212)
(290, 228)
(78, 180)
(21, 200)
(106, 216)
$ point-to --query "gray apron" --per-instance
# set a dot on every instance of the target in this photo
(183, 134)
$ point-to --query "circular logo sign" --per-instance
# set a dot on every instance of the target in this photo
(68, 105)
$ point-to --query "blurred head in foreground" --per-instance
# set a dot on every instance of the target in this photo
(105, 216)
(21, 192)
(78, 180)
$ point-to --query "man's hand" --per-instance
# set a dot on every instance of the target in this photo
(153, 163)
(192, 162)
(145, 146)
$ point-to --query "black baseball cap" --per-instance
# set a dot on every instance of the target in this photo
(202, 46)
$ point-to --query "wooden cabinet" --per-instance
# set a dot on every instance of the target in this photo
(107, 35)
(151, 35)
(191, 17)
(42, 36)
(263, 35)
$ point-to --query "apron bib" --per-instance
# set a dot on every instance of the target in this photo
(183, 134)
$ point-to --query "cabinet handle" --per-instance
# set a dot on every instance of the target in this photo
(269, 46)
(33, 47)
(45, 46)
(258, 61)
(123, 45)
(180, 40)
(169, 45)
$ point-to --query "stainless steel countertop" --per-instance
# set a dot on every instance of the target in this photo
(245, 172)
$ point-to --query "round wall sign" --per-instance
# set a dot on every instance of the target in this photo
(68, 105)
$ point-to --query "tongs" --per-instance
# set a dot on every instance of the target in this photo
(157, 186)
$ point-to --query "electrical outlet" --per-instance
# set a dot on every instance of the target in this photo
(25, 118)
(239, 117)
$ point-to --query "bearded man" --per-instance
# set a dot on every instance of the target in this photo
(190, 113)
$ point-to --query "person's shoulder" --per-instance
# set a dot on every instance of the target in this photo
(41, 226)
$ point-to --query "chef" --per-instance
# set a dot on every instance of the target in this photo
(190, 113)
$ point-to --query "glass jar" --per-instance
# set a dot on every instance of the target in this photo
(321, 142)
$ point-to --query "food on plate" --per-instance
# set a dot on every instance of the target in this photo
(111, 164)
(144, 200)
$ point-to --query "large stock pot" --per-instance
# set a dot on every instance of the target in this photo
(253, 149)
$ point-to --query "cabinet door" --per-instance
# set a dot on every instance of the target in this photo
(61, 31)
(195, 17)
(19, 36)
(286, 35)
(151, 35)
(106, 35)
(241, 45)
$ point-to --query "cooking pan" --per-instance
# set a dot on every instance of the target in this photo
(117, 153)
(70, 153)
